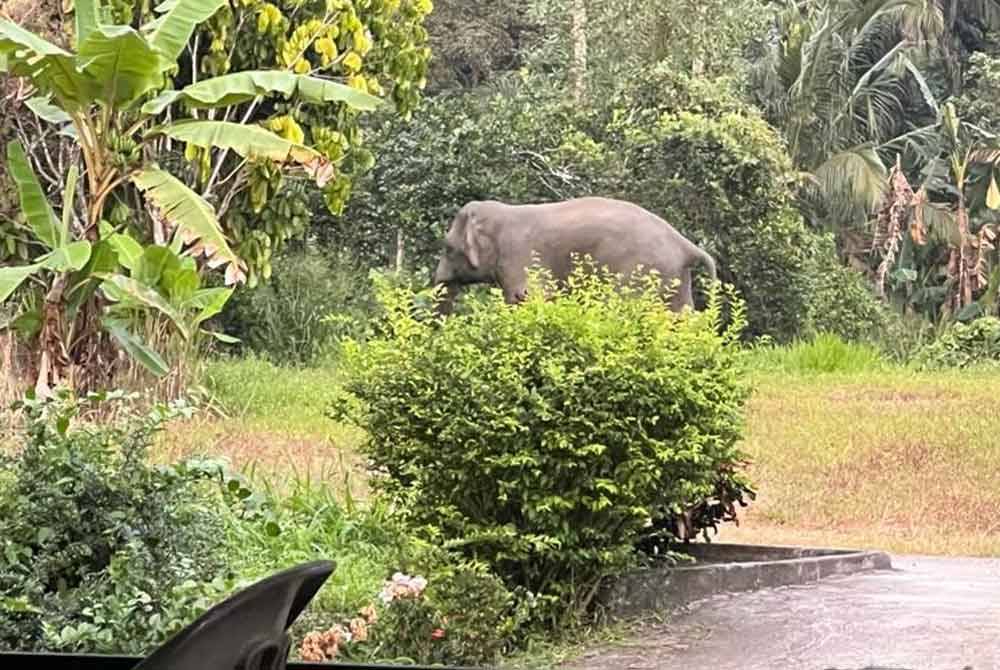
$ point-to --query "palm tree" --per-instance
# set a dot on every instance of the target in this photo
(842, 80)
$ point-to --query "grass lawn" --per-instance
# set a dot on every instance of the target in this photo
(891, 459)
(271, 421)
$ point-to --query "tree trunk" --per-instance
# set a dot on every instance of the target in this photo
(54, 368)
(399, 250)
(578, 69)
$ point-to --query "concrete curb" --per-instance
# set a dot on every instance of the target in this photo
(731, 568)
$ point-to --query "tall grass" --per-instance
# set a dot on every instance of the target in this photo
(825, 354)
(308, 521)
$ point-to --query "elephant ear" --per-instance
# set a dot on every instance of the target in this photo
(472, 240)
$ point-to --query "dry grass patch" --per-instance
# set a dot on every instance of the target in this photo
(895, 460)
(271, 421)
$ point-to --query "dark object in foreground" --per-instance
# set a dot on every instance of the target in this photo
(247, 631)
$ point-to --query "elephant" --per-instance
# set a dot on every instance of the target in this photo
(493, 242)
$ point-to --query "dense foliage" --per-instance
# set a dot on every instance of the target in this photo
(964, 345)
(685, 149)
(251, 96)
(102, 551)
(548, 439)
(296, 318)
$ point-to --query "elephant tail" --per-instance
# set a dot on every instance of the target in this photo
(706, 259)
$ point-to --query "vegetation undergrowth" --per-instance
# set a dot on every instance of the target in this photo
(106, 551)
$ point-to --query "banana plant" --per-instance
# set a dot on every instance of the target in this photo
(113, 96)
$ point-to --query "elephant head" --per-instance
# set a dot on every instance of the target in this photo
(468, 256)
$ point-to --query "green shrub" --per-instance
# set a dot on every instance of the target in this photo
(548, 439)
(842, 303)
(285, 319)
(101, 552)
(709, 165)
(962, 345)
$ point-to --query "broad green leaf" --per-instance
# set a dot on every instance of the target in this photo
(155, 260)
(222, 337)
(118, 286)
(136, 348)
(68, 257)
(124, 63)
(103, 260)
(129, 251)
(69, 197)
(13, 36)
(210, 301)
(246, 140)
(171, 34)
(181, 283)
(251, 142)
(12, 277)
(34, 205)
(993, 193)
(27, 324)
(86, 15)
(45, 110)
(50, 68)
(193, 215)
(239, 87)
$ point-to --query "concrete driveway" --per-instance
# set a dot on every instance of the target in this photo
(924, 614)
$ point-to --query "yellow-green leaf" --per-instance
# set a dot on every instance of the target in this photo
(251, 142)
(240, 87)
(993, 193)
(34, 205)
(119, 286)
(12, 277)
(173, 30)
(194, 217)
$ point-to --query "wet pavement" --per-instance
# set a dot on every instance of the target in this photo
(925, 614)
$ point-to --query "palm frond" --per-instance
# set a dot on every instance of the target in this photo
(854, 176)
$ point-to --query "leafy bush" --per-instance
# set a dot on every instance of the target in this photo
(842, 303)
(826, 353)
(549, 438)
(963, 345)
(712, 167)
(100, 550)
(285, 319)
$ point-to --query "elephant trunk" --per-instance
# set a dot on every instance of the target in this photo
(446, 304)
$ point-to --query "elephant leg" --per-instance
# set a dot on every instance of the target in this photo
(682, 296)
(515, 286)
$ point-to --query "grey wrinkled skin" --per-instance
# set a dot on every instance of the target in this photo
(492, 242)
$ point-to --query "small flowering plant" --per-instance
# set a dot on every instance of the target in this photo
(402, 586)
(462, 615)
(400, 595)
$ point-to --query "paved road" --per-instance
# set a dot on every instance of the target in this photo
(925, 614)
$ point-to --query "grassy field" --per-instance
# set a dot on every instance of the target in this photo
(271, 421)
(896, 460)
(864, 456)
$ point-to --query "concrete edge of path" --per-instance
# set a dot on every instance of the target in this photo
(731, 568)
